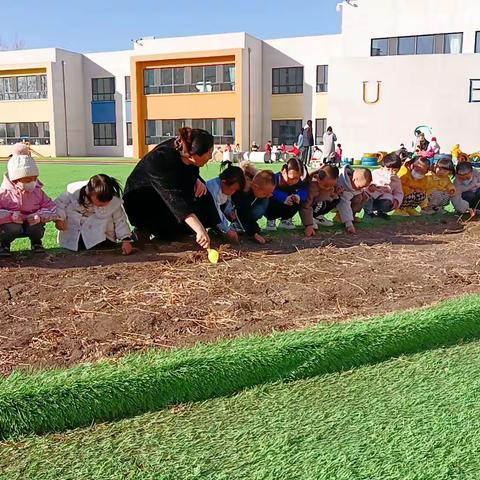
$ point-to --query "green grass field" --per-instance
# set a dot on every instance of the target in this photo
(57, 177)
(411, 418)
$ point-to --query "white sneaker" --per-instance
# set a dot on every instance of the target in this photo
(271, 225)
(287, 224)
(321, 221)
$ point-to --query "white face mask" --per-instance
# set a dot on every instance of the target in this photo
(416, 175)
(27, 187)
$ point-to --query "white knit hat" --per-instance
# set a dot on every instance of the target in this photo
(20, 166)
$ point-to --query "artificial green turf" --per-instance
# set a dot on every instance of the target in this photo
(411, 418)
(110, 390)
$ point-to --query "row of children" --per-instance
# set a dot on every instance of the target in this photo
(91, 213)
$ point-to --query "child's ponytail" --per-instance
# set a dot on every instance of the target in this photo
(231, 174)
(103, 187)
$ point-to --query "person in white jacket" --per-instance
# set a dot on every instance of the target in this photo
(353, 185)
(467, 189)
(91, 213)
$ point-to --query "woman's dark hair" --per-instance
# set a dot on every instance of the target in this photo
(446, 164)
(231, 174)
(392, 160)
(103, 187)
(195, 141)
(464, 168)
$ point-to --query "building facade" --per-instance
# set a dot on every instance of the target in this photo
(396, 65)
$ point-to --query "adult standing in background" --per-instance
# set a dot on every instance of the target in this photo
(308, 142)
(329, 140)
(299, 143)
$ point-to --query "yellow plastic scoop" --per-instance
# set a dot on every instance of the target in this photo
(213, 255)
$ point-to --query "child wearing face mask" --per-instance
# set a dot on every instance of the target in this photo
(440, 188)
(467, 189)
(230, 181)
(24, 207)
(413, 176)
(386, 193)
(290, 191)
(91, 214)
(354, 194)
(322, 199)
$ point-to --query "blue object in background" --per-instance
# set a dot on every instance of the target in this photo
(104, 112)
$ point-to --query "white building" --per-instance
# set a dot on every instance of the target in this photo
(397, 64)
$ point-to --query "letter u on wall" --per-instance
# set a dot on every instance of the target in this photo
(366, 93)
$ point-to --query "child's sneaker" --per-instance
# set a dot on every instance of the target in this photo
(321, 221)
(38, 248)
(412, 212)
(5, 251)
(287, 224)
(271, 225)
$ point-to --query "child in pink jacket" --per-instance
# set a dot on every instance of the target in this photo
(24, 206)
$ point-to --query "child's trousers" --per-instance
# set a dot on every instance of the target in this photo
(322, 208)
(413, 200)
(473, 199)
(380, 205)
(11, 231)
(280, 210)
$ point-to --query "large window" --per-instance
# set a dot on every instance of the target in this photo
(37, 133)
(104, 134)
(222, 129)
(287, 80)
(30, 87)
(474, 91)
(418, 45)
(129, 134)
(201, 79)
(103, 89)
(322, 78)
(128, 90)
(285, 131)
(320, 127)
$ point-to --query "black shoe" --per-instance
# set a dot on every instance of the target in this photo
(383, 215)
(38, 248)
(371, 214)
(5, 252)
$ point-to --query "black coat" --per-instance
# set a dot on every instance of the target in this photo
(160, 193)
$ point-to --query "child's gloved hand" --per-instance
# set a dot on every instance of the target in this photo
(451, 192)
(289, 200)
(232, 235)
(17, 217)
(309, 231)
(34, 219)
(260, 239)
(61, 225)
(127, 247)
(295, 199)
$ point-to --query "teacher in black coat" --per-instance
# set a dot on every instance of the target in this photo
(164, 195)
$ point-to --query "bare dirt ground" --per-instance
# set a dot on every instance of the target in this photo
(63, 309)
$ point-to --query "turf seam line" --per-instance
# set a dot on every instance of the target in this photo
(58, 400)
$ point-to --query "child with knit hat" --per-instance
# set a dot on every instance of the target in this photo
(24, 206)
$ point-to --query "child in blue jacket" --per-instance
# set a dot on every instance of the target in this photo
(290, 191)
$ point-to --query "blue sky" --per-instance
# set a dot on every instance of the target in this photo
(95, 25)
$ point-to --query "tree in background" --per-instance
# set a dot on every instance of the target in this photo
(17, 44)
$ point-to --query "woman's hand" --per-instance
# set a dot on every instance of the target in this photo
(127, 247)
(196, 225)
(200, 189)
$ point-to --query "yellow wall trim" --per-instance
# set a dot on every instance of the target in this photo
(22, 71)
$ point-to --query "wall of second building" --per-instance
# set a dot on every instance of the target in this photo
(429, 90)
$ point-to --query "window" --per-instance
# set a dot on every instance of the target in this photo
(406, 45)
(37, 133)
(222, 129)
(29, 87)
(129, 134)
(419, 45)
(322, 78)
(285, 131)
(474, 91)
(425, 45)
(379, 47)
(128, 91)
(103, 89)
(201, 79)
(104, 134)
(453, 43)
(287, 80)
(320, 127)
(477, 42)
